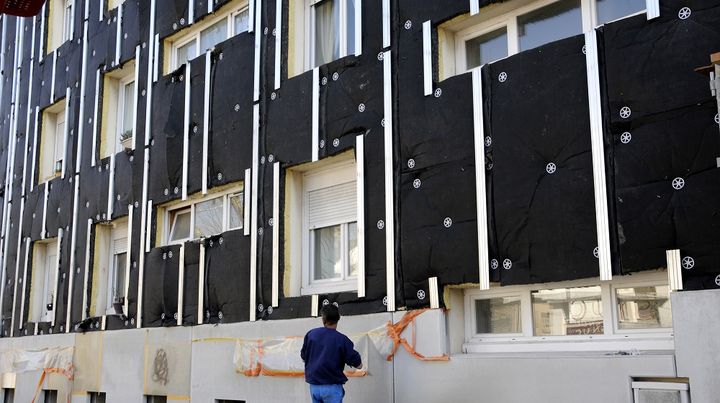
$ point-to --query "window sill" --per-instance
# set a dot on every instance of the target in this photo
(634, 344)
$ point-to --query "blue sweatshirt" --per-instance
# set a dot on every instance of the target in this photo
(325, 352)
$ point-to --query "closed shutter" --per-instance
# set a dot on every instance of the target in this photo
(119, 246)
(332, 205)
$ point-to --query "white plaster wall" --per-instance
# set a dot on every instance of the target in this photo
(696, 322)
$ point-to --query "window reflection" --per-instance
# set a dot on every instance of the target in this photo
(567, 311)
(644, 307)
(550, 23)
(498, 315)
(486, 48)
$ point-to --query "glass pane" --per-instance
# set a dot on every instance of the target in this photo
(486, 48)
(236, 211)
(241, 22)
(128, 104)
(352, 249)
(498, 315)
(209, 218)
(67, 23)
(213, 35)
(644, 307)
(328, 253)
(180, 226)
(186, 52)
(550, 23)
(51, 268)
(327, 40)
(350, 27)
(118, 280)
(659, 396)
(567, 311)
(610, 10)
(60, 140)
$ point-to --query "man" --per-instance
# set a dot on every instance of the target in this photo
(325, 352)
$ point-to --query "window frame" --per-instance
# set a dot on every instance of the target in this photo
(118, 231)
(189, 205)
(611, 339)
(331, 175)
(68, 20)
(196, 30)
(508, 14)
(42, 280)
(122, 103)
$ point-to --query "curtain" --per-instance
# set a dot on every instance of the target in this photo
(327, 38)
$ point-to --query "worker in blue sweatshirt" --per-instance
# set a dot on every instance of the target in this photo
(325, 352)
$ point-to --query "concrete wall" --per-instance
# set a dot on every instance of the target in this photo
(696, 321)
(200, 367)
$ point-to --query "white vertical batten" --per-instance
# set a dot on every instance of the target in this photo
(314, 300)
(143, 217)
(155, 46)
(674, 269)
(253, 216)
(251, 15)
(152, 62)
(52, 80)
(181, 285)
(653, 9)
(17, 266)
(258, 39)
(386, 23)
(315, 113)
(66, 132)
(41, 50)
(598, 156)
(128, 260)
(201, 285)
(118, 36)
(210, 5)
(93, 157)
(278, 42)
(246, 202)
(5, 215)
(34, 147)
(86, 283)
(148, 225)
(73, 245)
(83, 80)
(24, 277)
(206, 121)
(480, 191)
(389, 184)
(474, 7)
(434, 293)
(29, 107)
(427, 58)
(358, 27)
(191, 11)
(43, 231)
(101, 9)
(360, 177)
(276, 236)
(186, 133)
(111, 188)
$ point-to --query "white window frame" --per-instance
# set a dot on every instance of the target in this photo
(68, 20)
(196, 30)
(189, 205)
(611, 340)
(681, 387)
(499, 16)
(43, 281)
(118, 232)
(123, 103)
(47, 153)
(330, 175)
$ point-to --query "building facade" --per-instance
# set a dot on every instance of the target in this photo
(509, 201)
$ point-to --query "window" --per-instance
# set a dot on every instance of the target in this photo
(109, 268)
(321, 31)
(111, 4)
(206, 35)
(119, 104)
(8, 395)
(634, 309)
(50, 396)
(675, 390)
(229, 401)
(322, 226)
(52, 142)
(155, 399)
(60, 23)
(44, 280)
(506, 29)
(97, 397)
(211, 215)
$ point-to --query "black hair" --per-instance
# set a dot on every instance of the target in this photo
(330, 314)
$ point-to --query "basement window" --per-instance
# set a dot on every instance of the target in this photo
(8, 395)
(323, 222)
(571, 316)
(674, 390)
(97, 397)
(204, 35)
(501, 30)
(45, 268)
(50, 396)
(155, 399)
(60, 23)
(110, 265)
(119, 114)
(204, 217)
(52, 142)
